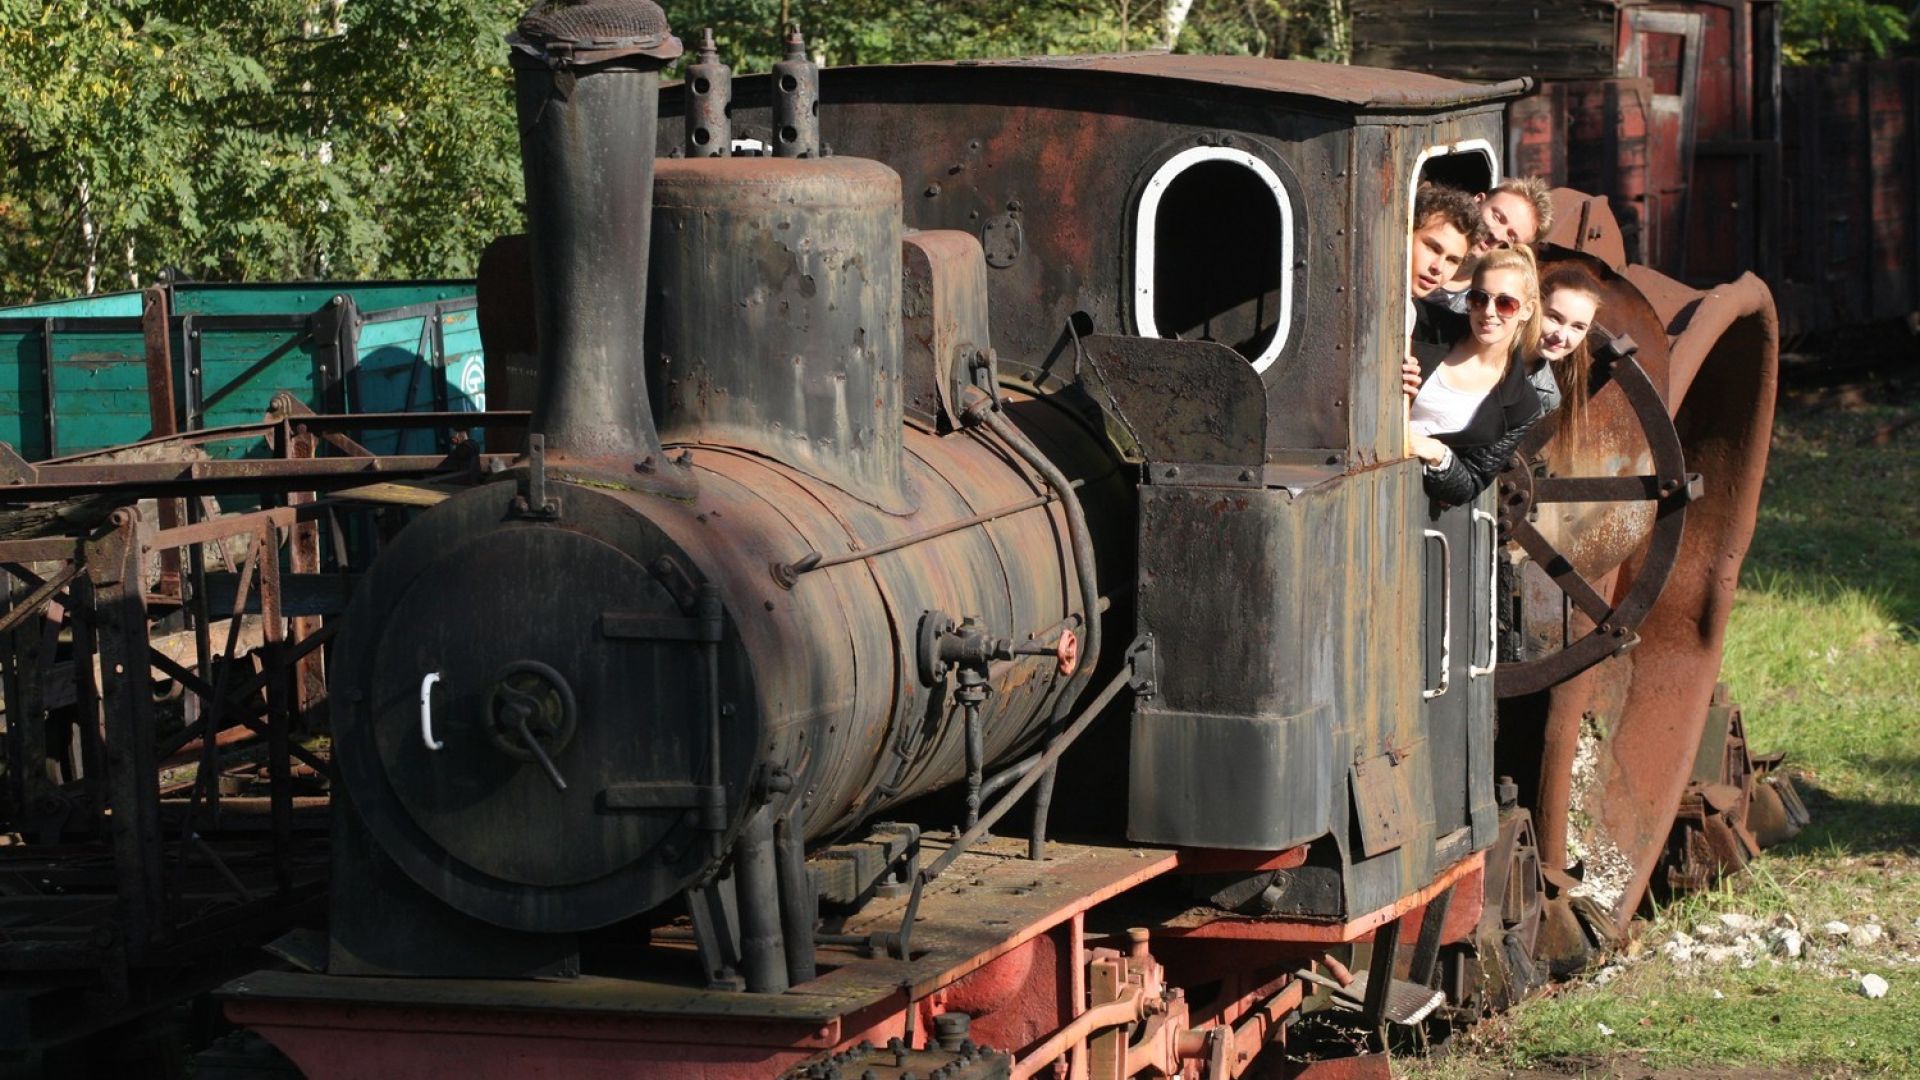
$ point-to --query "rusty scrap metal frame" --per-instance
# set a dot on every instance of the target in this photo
(84, 474)
(106, 605)
(171, 891)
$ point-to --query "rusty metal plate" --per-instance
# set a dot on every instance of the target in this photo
(1381, 799)
(1466, 39)
(1184, 401)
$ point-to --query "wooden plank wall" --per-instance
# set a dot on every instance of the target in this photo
(1485, 40)
(1851, 162)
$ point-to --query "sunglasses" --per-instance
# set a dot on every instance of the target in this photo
(1503, 305)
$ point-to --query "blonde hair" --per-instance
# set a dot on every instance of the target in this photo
(1571, 370)
(1538, 195)
(1526, 339)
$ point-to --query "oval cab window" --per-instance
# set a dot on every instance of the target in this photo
(1213, 253)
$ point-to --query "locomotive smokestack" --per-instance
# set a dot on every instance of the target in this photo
(587, 79)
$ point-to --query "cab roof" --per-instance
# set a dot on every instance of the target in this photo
(1359, 88)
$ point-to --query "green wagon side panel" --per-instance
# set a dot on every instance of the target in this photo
(397, 372)
(95, 374)
(23, 408)
(304, 298)
(99, 389)
(105, 305)
(241, 370)
(247, 343)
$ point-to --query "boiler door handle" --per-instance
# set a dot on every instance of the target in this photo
(426, 711)
(520, 714)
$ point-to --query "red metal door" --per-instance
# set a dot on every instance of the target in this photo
(1720, 211)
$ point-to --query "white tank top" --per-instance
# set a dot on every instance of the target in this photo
(1440, 409)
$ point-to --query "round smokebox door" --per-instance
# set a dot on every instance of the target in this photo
(519, 737)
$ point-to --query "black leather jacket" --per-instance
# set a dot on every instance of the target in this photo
(1474, 467)
(1481, 451)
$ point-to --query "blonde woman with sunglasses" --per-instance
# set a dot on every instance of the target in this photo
(1473, 402)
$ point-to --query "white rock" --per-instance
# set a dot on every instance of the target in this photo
(1707, 930)
(1787, 942)
(1873, 986)
(1836, 928)
(1718, 996)
(1605, 1030)
(1737, 922)
(1721, 954)
(1607, 974)
(1681, 940)
(1864, 935)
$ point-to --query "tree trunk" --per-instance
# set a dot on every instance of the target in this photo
(89, 237)
(1339, 33)
(1176, 20)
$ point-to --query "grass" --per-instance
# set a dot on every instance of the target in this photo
(1823, 653)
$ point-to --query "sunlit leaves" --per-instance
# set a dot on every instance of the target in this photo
(268, 139)
(279, 139)
(1813, 31)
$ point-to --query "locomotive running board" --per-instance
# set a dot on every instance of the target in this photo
(990, 903)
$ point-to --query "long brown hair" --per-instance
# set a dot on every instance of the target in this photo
(1572, 371)
(1526, 339)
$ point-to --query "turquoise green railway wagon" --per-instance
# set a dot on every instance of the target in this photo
(100, 371)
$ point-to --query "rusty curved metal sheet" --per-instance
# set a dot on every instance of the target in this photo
(1620, 740)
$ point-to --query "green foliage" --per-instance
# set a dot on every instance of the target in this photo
(877, 32)
(1309, 30)
(1816, 30)
(880, 32)
(282, 139)
(255, 140)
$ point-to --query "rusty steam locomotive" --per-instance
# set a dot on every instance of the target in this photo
(882, 440)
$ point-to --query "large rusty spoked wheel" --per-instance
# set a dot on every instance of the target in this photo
(1669, 487)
